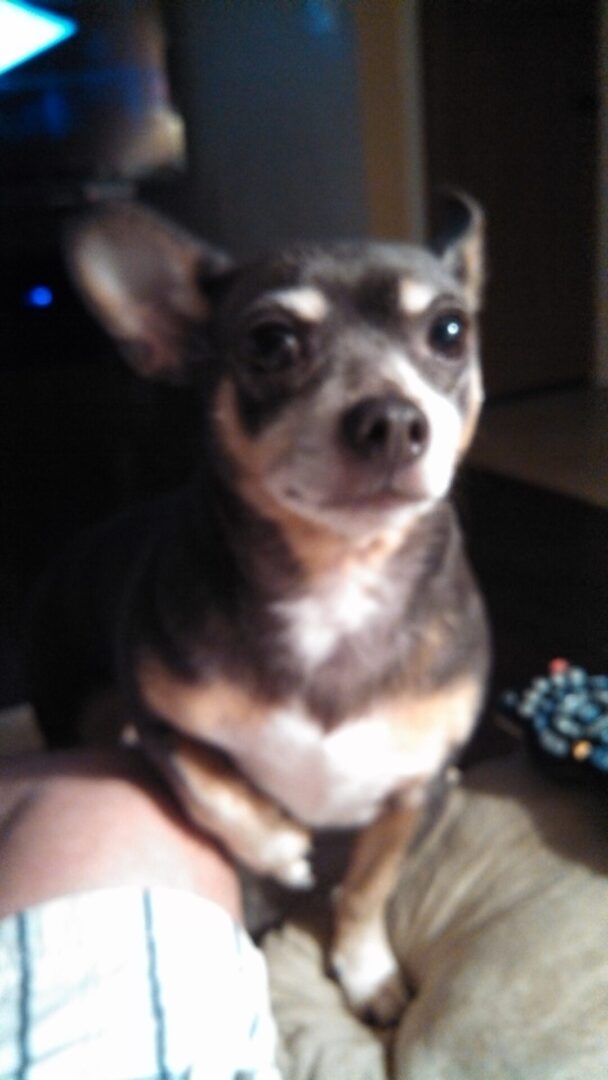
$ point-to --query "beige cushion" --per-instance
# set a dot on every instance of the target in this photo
(501, 924)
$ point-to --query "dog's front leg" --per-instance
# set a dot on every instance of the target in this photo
(361, 955)
(221, 801)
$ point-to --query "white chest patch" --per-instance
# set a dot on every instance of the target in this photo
(331, 779)
(338, 605)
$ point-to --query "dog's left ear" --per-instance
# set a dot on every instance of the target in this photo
(461, 244)
(145, 279)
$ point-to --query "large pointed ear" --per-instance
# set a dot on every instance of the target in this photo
(461, 242)
(144, 279)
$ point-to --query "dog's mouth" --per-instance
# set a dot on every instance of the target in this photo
(380, 497)
(338, 488)
(388, 498)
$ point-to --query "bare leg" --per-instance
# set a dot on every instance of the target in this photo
(82, 820)
(157, 980)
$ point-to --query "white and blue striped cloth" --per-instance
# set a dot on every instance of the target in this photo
(131, 984)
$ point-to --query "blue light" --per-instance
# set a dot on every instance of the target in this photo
(39, 296)
(321, 17)
(26, 31)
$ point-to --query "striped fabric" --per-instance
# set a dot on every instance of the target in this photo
(130, 984)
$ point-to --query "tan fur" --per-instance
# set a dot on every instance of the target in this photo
(472, 266)
(465, 258)
(361, 952)
(415, 296)
(450, 710)
(196, 709)
(254, 457)
(219, 800)
(199, 709)
(258, 832)
(143, 320)
(425, 651)
(308, 303)
(315, 548)
(472, 415)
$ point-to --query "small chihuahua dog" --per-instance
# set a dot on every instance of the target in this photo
(296, 636)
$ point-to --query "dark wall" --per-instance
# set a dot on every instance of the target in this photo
(269, 95)
(512, 96)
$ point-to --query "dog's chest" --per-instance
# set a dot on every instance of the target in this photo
(325, 776)
(336, 778)
(339, 776)
(339, 607)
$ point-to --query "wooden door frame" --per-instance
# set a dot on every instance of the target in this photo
(392, 116)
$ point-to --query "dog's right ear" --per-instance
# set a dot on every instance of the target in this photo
(461, 242)
(144, 279)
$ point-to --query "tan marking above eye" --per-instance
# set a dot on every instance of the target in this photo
(305, 302)
(415, 296)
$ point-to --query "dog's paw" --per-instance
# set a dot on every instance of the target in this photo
(386, 1004)
(286, 857)
(370, 979)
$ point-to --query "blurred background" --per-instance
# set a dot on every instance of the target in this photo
(258, 121)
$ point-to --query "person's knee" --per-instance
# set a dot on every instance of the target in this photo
(92, 821)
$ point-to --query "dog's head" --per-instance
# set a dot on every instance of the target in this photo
(343, 381)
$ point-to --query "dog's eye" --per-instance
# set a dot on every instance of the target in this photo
(448, 334)
(272, 346)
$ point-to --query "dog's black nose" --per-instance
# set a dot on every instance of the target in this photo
(386, 430)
